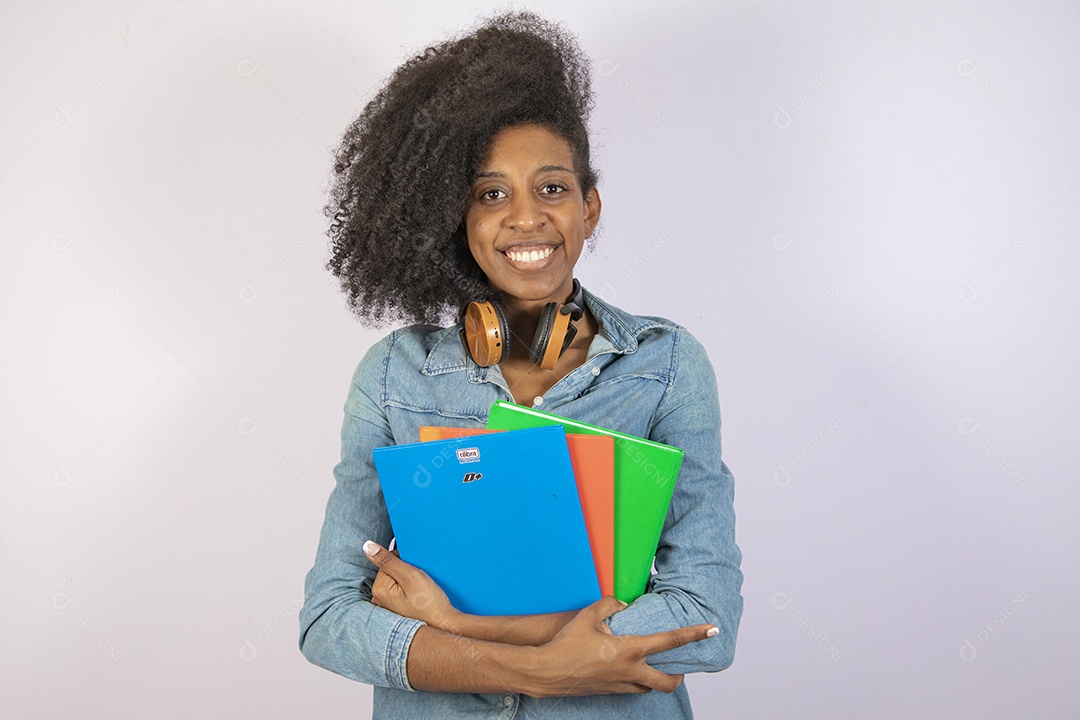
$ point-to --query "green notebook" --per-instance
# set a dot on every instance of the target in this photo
(645, 474)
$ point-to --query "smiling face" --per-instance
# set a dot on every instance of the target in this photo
(528, 220)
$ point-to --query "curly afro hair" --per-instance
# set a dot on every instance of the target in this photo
(405, 168)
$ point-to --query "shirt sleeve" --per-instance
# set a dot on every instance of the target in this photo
(697, 578)
(340, 629)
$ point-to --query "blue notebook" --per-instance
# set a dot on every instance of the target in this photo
(494, 519)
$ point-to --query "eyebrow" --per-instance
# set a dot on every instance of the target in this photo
(545, 168)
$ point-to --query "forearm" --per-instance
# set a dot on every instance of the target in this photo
(440, 661)
(582, 659)
(508, 629)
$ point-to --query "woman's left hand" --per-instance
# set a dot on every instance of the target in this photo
(409, 591)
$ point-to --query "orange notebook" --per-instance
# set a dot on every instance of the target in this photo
(592, 457)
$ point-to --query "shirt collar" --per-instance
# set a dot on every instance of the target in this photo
(618, 332)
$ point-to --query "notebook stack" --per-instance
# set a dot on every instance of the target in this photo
(537, 513)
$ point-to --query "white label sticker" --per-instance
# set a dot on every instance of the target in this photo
(468, 455)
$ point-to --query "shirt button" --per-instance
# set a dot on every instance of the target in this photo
(508, 700)
(595, 371)
(537, 402)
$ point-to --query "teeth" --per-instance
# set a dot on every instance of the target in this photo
(529, 256)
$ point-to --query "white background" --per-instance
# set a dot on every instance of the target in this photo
(867, 211)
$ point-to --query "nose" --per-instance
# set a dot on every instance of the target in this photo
(525, 211)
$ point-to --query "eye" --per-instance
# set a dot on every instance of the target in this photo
(552, 189)
(491, 195)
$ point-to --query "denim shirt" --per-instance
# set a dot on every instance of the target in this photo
(643, 376)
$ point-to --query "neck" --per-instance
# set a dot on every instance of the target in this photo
(523, 318)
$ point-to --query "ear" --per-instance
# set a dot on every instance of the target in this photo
(592, 211)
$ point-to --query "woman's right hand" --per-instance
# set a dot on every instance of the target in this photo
(585, 658)
(409, 591)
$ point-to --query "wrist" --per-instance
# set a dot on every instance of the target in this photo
(530, 670)
(453, 621)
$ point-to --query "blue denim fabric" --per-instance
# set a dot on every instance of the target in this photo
(644, 376)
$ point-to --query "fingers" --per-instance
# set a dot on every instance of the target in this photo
(384, 560)
(672, 639)
(648, 678)
(602, 609)
(383, 585)
(657, 680)
(373, 550)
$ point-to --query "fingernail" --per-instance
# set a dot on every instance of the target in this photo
(623, 604)
(712, 632)
(371, 548)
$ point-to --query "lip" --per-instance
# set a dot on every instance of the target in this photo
(526, 246)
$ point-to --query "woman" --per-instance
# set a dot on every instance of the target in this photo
(468, 177)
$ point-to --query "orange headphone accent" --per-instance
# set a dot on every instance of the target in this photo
(485, 337)
(486, 333)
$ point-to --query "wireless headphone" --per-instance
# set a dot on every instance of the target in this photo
(486, 333)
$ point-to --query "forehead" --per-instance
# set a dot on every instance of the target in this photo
(527, 148)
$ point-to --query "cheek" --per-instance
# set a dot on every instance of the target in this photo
(576, 231)
(479, 248)
(479, 231)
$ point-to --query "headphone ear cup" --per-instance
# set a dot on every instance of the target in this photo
(504, 329)
(548, 343)
(486, 337)
(542, 338)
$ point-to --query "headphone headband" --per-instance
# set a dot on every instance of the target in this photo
(575, 304)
